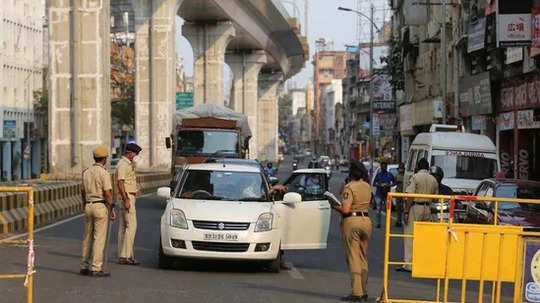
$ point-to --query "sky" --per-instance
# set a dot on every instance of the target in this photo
(325, 21)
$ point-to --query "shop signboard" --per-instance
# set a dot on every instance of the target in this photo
(523, 96)
(184, 100)
(526, 120)
(387, 122)
(406, 119)
(477, 35)
(535, 44)
(531, 271)
(514, 23)
(478, 123)
(505, 121)
(513, 55)
(10, 129)
(415, 12)
(381, 92)
(475, 95)
(404, 148)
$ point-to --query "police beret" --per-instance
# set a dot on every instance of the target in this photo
(132, 147)
(100, 152)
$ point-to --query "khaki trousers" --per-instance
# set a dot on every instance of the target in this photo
(127, 228)
(417, 213)
(95, 235)
(355, 235)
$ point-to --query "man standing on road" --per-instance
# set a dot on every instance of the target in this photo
(399, 188)
(384, 180)
(127, 188)
(417, 209)
(97, 197)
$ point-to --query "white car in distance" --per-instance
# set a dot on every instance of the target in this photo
(224, 211)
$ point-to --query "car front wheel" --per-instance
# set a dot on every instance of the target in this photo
(274, 266)
(165, 262)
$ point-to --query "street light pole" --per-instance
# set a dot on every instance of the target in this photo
(443, 61)
(371, 126)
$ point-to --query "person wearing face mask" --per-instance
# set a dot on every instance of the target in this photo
(127, 188)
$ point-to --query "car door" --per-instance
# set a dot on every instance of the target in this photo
(305, 225)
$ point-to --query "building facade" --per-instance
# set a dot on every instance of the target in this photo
(21, 74)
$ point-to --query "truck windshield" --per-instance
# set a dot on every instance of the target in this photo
(224, 185)
(465, 167)
(206, 142)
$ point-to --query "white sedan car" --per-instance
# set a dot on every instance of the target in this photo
(224, 211)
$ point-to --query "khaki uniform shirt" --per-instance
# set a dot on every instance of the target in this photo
(357, 193)
(125, 171)
(399, 182)
(96, 180)
(423, 183)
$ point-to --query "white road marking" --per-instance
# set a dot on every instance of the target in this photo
(294, 272)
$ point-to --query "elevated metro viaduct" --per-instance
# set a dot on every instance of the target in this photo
(256, 38)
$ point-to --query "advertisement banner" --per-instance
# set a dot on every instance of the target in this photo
(404, 148)
(525, 119)
(478, 123)
(523, 96)
(514, 23)
(531, 271)
(387, 122)
(475, 95)
(184, 100)
(381, 89)
(477, 35)
(10, 129)
(406, 119)
(505, 121)
(535, 46)
(513, 55)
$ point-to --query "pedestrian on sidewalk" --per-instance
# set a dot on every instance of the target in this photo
(97, 197)
(127, 188)
(417, 209)
(383, 181)
(399, 188)
(356, 230)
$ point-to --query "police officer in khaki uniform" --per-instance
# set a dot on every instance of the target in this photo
(417, 209)
(97, 196)
(127, 188)
(356, 230)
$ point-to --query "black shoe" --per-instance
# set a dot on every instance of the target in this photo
(403, 269)
(84, 271)
(99, 274)
(353, 298)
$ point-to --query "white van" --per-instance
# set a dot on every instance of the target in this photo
(465, 158)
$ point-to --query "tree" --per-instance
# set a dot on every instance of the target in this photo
(123, 85)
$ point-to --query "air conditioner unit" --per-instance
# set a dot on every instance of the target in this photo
(414, 36)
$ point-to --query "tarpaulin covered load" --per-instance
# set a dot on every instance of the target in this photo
(212, 110)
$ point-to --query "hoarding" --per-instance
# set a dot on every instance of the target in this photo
(475, 95)
(477, 35)
(514, 23)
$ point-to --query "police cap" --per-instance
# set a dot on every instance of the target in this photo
(132, 147)
(100, 152)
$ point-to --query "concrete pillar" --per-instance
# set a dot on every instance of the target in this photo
(36, 157)
(209, 42)
(244, 94)
(6, 159)
(79, 68)
(154, 89)
(267, 128)
(16, 160)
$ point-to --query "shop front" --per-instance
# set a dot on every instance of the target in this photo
(518, 129)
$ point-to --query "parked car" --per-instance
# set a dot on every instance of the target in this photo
(224, 211)
(509, 213)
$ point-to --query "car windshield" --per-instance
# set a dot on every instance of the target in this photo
(512, 191)
(464, 167)
(206, 142)
(223, 185)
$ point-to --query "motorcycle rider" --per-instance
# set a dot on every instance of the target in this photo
(438, 173)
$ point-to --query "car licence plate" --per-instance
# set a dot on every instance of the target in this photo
(221, 237)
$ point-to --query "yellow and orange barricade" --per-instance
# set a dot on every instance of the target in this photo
(446, 251)
(29, 241)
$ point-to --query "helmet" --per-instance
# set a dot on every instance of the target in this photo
(437, 172)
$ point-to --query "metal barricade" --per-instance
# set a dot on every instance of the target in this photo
(447, 251)
(28, 276)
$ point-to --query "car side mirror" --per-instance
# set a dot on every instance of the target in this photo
(292, 198)
(164, 192)
(168, 142)
(273, 181)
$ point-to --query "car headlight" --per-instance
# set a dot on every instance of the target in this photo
(178, 219)
(264, 223)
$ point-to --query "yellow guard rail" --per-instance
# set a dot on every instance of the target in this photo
(28, 276)
(468, 252)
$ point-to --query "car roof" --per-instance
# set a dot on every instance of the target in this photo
(251, 162)
(310, 171)
(455, 141)
(520, 183)
(224, 167)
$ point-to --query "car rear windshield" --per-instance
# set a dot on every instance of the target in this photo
(206, 142)
(223, 185)
(465, 167)
(512, 191)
